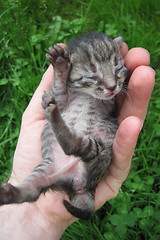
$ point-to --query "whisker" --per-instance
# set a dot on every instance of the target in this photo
(124, 92)
(132, 89)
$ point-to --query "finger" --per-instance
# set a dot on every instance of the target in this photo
(124, 49)
(123, 148)
(140, 87)
(136, 57)
(133, 58)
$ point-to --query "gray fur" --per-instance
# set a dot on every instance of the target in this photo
(81, 123)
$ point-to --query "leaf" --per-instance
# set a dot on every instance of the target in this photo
(157, 216)
(124, 208)
(150, 181)
(57, 24)
(148, 211)
(110, 30)
(101, 26)
(130, 220)
(142, 223)
(157, 102)
(121, 229)
(36, 38)
(138, 212)
(116, 219)
(109, 236)
(3, 81)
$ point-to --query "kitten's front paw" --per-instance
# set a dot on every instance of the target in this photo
(59, 57)
(47, 99)
(8, 194)
(48, 104)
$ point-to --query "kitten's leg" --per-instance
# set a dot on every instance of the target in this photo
(29, 190)
(85, 147)
(59, 57)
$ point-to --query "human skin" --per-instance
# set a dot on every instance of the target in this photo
(47, 218)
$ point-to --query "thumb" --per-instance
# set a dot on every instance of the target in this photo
(123, 149)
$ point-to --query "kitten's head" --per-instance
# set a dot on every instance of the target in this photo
(97, 66)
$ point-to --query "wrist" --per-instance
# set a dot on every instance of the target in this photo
(26, 221)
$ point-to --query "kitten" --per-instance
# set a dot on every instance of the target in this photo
(81, 123)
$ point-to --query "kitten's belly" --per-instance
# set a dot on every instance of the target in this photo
(70, 166)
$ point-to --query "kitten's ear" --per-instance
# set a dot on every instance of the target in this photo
(118, 40)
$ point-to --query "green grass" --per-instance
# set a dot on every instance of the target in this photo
(28, 28)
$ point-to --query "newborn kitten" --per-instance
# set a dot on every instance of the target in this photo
(81, 124)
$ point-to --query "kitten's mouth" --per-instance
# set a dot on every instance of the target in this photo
(105, 96)
(110, 94)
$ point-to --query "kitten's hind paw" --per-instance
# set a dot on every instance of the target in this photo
(8, 194)
(59, 57)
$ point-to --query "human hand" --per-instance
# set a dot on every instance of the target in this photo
(132, 109)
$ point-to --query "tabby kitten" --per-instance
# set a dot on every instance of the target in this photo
(81, 123)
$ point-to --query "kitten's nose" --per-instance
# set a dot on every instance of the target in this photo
(112, 88)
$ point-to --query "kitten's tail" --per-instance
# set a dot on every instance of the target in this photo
(82, 206)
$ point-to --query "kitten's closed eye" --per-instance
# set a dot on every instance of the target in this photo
(99, 89)
(93, 68)
(121, 71)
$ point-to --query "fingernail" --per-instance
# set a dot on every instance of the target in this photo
(141, 124)
(153, 70)
(62, 45)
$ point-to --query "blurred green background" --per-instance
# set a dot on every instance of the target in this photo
(28, 28)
